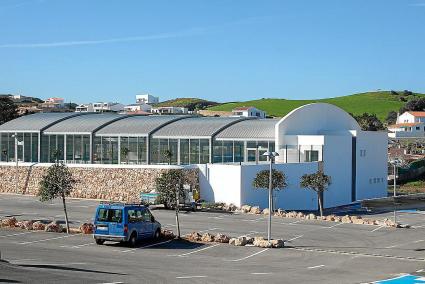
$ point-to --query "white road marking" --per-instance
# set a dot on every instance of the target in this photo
(113, 283)
(420, 270)
(77, 246)
(249, 256)
(195, 251)
(45, 240)
(194, 276)
(17, 234)
(417, 227)
(212, 229)
(61, 264)
(317, 266)
(376, 229)
(403, 244)
(147, 246)
(261, 273)
(251, 233)
(170, 225)
(339, 224)
(295, 238)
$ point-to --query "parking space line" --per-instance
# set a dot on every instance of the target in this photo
(317, 266)
(376, 229)
(339, 224)
(300, 236)
(147, 246)
(212, 229)
(249, 256)
(189, 277)
(195, 251)
(260, 273)
(45, 240)
(403, 244)
(17, 234)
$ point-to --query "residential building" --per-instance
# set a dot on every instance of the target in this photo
(84, 108)
(107, 107)
(249, 111)
(225, 153)
(410, 124)
(169, 110)
(146, 99)
(53, 103)
(137, 108)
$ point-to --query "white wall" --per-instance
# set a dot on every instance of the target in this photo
(372, 166)
(406, 117)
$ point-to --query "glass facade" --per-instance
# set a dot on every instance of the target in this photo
(70, 148)
(191, 151)
(237, 151)
(302, 153)
(27, 148)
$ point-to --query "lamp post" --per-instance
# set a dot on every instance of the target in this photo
(396, 163)
(271, 156)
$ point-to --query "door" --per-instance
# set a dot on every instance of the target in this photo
(147, 223)
(115, 221)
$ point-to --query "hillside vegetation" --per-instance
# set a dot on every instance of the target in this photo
(190, 103)
(379, 103)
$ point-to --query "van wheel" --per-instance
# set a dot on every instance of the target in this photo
(132, 241)
(157, 234)
(99, 241)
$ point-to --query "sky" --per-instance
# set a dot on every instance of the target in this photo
(220, 50)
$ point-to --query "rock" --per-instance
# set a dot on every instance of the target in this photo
(330, 218)
(255, 210)
(404, 226)
(26, 225)
(258, 239)
(358, 221)
(262, 243)
(311, 216)
(230, 207)
(249, 240)
(246, 208)
(207, 237)
(168, 234)
(280, 213)
(38, 226)
(221, 238)
(277, 243)
(346, 219)
(232, 241)
(194, 237)
(87, 228)
(53, 227)
(266, 211)
(9, 222)
(300, 215)
(241, 241)
(291, 214)
(74, 231)
(355, 218)
(337, 219)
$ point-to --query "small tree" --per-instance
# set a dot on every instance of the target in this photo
(169, 186)
(124, 153)
(261, 180)
(168, 155)
(57, 182)
(317, 182)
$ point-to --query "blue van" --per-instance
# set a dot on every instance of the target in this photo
(124, 223)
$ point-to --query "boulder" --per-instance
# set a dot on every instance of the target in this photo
(300, 215)
(404, 226)
(291, 214)
(53, 227)
(232, 241)
(26, 225)
(358, 221)
(240, 241)
(230, 207)
(280, 213)
(87, 228)
(266, 211)
(74, 231)
(221, 238)
(255, 210)
(346, 219)
(262, 243)
(168, 234)
(277, 243)
(311, 216)
(337, 219)
(246, 208)
(355, 218)
(249, 241)
(38, 226)
(9, 222)
(194, 237)
(330, 218)
(207, 237)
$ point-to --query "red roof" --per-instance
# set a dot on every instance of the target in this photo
(417, 113)
(405, 124)
(243, 108)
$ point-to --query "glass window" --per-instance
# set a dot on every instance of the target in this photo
(34, 147)
(106, 150)
(263, 146)
(194, 151)
(238, 151)
(132, 217)
(218, 151)
(311, 156)
(173, 147)
(27, 147)
(154, 151)
(20, 147)
(163, 146)
(227, 151)
(147, 217)
(114, 149)
(69, 148)
(78, 150)
(3, 147)
(86, 148)
(60, 147)
(45, 149)
(184, 151)
(132, 150)
(97, 150)
(205, 151)
(124, 150)
(142, 150)
(109, 215)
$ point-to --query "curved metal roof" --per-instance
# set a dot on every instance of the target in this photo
(252, 129)
(196, 127)
(35, 122)
(137, 125)
(84, 124)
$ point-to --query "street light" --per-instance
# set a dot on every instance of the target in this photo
(396, 163)
(271, 156)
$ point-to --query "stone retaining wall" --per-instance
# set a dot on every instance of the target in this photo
(118, 184)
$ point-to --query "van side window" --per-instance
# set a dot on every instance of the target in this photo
(147, 217)
(139, 215)
(132, 216)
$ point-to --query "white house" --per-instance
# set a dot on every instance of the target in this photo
(146, 99)
(248, 112)
(169, 110)
(84, 108)
(53, 103)
(107, 107)
(411, 124)
(141, 107)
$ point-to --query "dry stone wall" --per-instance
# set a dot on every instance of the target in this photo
(117, 184)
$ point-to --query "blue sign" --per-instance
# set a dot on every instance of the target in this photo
(405, 279)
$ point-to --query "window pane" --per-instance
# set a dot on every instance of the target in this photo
(60, 147)
(184, 151)
(173, 147)
(132, 153)
(114, 150)
(263, 146)
(27, 147)
(3, 147)
(227, 151)
(44, 149)
(154, 151)
(218, 152)
(194, 151)
(97, 150)
(86, 148)
(205, 151)
(34, 147)
(238, 151)
(78, 150)
(69, 148)
(106, 150)
(124, 150)
(142, 150)
(163, 146)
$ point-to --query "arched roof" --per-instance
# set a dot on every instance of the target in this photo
(316, 118)
(196, 127)
(35, 122)
(252, 129)
(83, 124)
(137, 125)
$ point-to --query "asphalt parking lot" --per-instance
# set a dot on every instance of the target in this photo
(316, 251)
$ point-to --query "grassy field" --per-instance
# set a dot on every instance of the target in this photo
(379, 103)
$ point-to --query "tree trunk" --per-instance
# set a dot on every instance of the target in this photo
(66, 214)
(320, 203)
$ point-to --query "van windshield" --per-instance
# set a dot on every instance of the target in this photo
(109, 215)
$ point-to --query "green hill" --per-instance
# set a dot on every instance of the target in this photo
(190, 103)
(379, 103)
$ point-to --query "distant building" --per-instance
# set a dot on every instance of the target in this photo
(53, 103)
(411, 124)
(17, 98)
(146, 99)
(170, 110)
(107, 107)
(137, 108)
(84, 108)
(248, 112)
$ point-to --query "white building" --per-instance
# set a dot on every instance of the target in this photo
(107, 107)
(146, 99)
(53, 103)
(410, 124)
(84, 108)
(137, 108)
(169, 110)
(248, 112)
